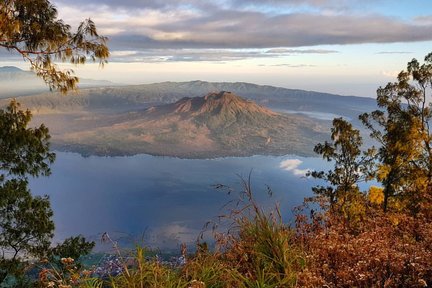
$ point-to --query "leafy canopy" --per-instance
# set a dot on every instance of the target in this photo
(401, 125)
(31, 29)
(26, 227)
(351, 165)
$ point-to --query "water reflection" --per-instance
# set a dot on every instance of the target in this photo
(169, 199)
(314, 114)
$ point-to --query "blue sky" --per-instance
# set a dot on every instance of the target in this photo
(349, 47)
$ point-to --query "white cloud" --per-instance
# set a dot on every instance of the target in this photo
(123, 53)
(390, 74)
(424, 20)
(192, 24)
(300, 51)
(171, 235)
(292, 165)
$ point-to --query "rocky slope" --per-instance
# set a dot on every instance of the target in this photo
(218, 124)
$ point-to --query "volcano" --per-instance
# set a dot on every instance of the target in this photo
(218, 124)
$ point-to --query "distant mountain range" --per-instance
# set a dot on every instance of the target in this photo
(141, 96)
(218, 124)
(15, 82)
(177, 119)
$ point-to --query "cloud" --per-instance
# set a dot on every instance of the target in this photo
(166, 25)
(146, 4)
(171, 235)
(394, 52)
(234, 29)
(391, 74)
(186, 55)
(299, 51)
(123, 53)
(135, 4)
(424, 20)
(289, 65)
(324, 5)
(292, 165)
(205, 54)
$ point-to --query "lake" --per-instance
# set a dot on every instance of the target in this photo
(168, 200)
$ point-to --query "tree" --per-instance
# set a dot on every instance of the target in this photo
(351, 166)
(25, 221)
(31, 29)
(401, 126)
(72, 247)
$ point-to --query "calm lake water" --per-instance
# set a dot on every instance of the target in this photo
(166, 199)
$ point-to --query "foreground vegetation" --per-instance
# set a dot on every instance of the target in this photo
(382, 250)
(342, 237)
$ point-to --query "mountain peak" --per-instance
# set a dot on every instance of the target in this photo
(226, 95)
(215, 104)
(10, 69)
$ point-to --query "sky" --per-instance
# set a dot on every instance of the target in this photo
(347, 47)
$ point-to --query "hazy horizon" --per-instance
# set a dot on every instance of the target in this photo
(36, 85)
(341, 47)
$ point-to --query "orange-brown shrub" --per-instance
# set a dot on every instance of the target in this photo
(386, 250)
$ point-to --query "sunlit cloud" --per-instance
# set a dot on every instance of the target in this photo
(292, 165)
(123, 53)
(226, 25)
(391, 74)
(172, 234)
(424, 20)
(394, 52)
(298, 51)
(211, 55)
(187, 55)
(292, 65)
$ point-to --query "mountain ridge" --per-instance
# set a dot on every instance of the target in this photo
(215, 125)
(15, 82)
(9, 69)
(146, 95)
(223, 101)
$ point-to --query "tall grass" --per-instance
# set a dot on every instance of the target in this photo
(262, 248)
(142, 273)
(256, 250)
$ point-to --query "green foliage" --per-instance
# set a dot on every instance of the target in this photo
(31, 28)
(25, 220)
(258, 251)
(261, 247)
(24, 151)
(351, 166)
(390, 246)
(391, 249)
(144, 273)
(212, 270)
(25, 225)
(73, 247)
(401, 126)
(67, 275)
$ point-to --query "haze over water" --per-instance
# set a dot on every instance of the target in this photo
(168, 199)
